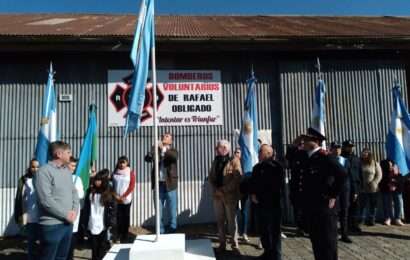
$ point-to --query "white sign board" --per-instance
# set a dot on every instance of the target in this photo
(185, 97)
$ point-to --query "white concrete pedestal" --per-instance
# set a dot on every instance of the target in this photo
(200, 249)
(169, 246)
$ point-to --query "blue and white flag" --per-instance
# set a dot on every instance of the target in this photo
(144, 40)
(248, 138)
(398, 137)
(318, 114)
(48, 130)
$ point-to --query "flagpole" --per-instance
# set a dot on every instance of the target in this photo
(319, 82)
(154, 86)
(318, 67)
(94, 162)
(395, 81)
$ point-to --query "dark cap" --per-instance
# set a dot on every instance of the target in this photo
(313, 134)
(347, 143)
(335, 145)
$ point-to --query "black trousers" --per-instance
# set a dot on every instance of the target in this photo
(269, 221)
(298, 213)
(123, 220)
(354, 212)
(99, 245)
(343, 206)
(322, 225)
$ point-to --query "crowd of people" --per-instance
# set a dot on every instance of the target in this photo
(55, 210)
(325, 187)
(356, 195)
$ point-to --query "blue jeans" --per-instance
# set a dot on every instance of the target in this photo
(368, 201)
(32, 230)
(168, 202)
(55, 241)
(388, 198)
(243, 215)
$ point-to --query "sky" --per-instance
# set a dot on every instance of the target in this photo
(221, 7)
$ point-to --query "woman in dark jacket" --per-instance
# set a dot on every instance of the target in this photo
(100, 210)
(391, 188)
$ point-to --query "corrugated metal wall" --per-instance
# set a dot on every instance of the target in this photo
(19, 124)
(358, 101)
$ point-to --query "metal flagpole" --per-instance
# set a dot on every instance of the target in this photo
(395, 81)
(319, 68)
(156, 167)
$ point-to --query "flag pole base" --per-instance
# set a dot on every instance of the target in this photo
(169, 246)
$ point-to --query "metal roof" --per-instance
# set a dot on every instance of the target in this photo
(206, 27)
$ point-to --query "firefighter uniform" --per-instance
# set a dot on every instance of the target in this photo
(322, 182)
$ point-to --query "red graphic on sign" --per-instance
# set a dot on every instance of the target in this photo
(120, 95)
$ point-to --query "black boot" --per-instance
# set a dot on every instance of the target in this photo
(355, 227)
(264, 256)
(301, 233)
(371, 222)
(345, 238)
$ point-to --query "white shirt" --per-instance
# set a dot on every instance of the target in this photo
(342, 160)
(121, 183)
(30, 201)
(96, 221)
(310, 153)
(78, 183)
(162, 170)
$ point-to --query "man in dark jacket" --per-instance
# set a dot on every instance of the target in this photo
(354, 173)
(168, 181)
(266, 186)
(321, 185)
(296, 157)
(344, 197)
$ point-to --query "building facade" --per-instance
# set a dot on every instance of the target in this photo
(359, 72)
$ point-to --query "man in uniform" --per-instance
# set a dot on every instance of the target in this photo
(321, 185)
(344, 197)
(296, 156)
(355, 175)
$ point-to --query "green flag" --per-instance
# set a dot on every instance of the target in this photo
(89, 149)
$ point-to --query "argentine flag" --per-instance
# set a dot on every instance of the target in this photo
(398, 137)
(144, 40)
(318, 114)
(248, 138)
(48, 130)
